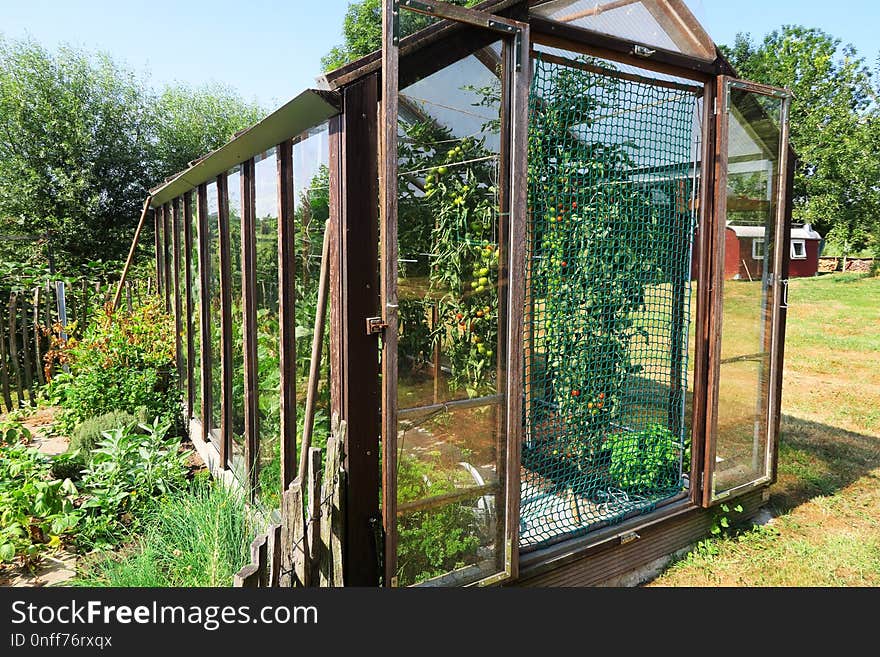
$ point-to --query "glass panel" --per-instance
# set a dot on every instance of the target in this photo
(753, 151)
(612, 191)
(238, 380)
(650, 22)
(214, 311)
(268, 339)
(311, 156)
(180, 266)
(450, 348)
(195, 315)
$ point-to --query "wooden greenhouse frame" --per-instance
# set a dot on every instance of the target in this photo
(357, 102)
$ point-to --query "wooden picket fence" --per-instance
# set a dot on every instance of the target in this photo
(305, 549)
(30, 318)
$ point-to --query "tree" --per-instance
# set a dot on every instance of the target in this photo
(362, 30)
(81, 142)
(74, 149)
(190, 122)
(834, 127)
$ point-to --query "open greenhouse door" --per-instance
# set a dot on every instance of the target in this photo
(613, 156)
(453, 194)
(752, 177)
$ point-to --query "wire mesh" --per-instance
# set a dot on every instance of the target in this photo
(612, 219)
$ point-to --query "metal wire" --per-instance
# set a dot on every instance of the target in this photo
(608, 307)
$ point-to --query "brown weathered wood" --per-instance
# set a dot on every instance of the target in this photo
(128, 301)
(293, 537)
(287, 310)
(166, 251)
(273, 549)
(315, 365)
(160, 261)
(188, 279)
(332, 508)
(355, 296)
(202, 239)
(388, 168)
(438, 501)
(12, 318)
(227, 371)
(260, 558)
(27, 365)
(248, 577)
(460, 14)
(131, 252)
(4, 364)
(249, 324)
(336, 366)
(178, 305)
(313, 516)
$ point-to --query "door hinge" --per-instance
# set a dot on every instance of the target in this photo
(628, 537)
(376, 325)
(642, 51)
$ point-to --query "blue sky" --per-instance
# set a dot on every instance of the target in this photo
(270, 50)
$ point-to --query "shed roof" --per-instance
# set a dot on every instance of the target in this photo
(804, 232)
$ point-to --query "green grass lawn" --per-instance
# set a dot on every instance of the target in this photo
(827, 497)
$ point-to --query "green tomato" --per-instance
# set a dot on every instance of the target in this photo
(481, 347)
(479, 289)
(442, 171)
(484, 280)
(489, 353)
(475, 285)
(484, 271)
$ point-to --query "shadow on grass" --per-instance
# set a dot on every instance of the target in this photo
(816, 460)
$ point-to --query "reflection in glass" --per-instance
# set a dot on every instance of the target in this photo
(450, 460)
(214, 311)
(741, 454)
(195, 316)
(238, 380)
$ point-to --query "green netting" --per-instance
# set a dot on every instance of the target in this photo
(611, 180)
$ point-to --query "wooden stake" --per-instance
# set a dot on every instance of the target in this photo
(4, 365)
(38, 355)
(13, 347)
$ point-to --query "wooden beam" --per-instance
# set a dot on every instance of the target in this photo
(166, 255)
(354, 296)
(178, 306)
(203, 239)
(249, 324)
(227, 370)
(388, 168)
(190, 343)
(131, 252)
(287, 310)
(160, 259)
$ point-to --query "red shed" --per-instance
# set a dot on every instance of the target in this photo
(744, 252)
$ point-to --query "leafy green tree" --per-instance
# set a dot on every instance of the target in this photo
(362, 30)
(190, 122)
(74, 149)
(834, 126)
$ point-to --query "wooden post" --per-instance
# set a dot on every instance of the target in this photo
(287, 312)
(4, 364)
(332, 508)
(38, 352)
(160, 258)
(190, 343)
(166, 254)
(131, 251)
(249, 326)
(315, 365)
(204, 308)
(313, 541)
(354, 296)
(26, 352)
(178, 307)
(128, 304)
(292, 536)
(13, 346)
(226, 402)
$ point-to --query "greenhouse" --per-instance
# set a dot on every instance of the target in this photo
(496, 250)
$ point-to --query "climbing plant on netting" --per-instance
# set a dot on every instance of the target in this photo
(611, 184)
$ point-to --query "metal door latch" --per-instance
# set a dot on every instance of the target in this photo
(375, 325)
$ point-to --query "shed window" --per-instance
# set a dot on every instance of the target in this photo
(758, 249)
(798, 250)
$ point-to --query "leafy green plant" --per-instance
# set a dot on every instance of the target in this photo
(90, 431)
(196, 536)
(12, 431)
(721, 521)
(123, 363)
(645, 461)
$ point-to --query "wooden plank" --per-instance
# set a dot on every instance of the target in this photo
(570, 37)
(287, 309)
(248, 577)
(4, 364)
(160, 261)
(313, 517)
(178, 306)
(203, 239)
(131, 251)
(292, 536)
(227, 370)
(516, 304)
(12, 319)
(388, 168)
(317, 345)
(166, 254)
(465, 15)
(249, 325)
(336, 366)
(332, 508)
(354, 190)
(260, 558)
(188, 280)
(273, 549)
(27, 364)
